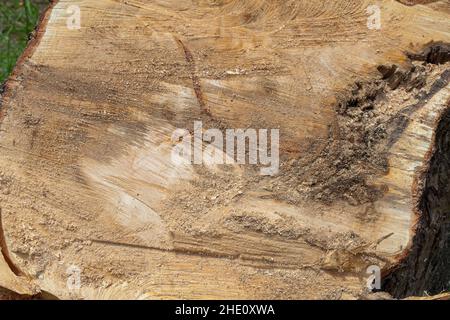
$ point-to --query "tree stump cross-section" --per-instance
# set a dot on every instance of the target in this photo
(92, 205)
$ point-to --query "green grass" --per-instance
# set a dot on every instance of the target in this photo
(18, 19)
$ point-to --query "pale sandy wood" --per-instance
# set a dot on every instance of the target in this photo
(85, 149)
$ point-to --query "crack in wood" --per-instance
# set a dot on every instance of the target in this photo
(195, 79)
(5, 252)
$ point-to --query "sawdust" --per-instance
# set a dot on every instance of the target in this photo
(367, 124)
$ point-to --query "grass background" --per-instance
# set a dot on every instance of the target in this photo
(18, 18)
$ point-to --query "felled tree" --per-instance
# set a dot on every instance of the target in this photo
(92, 205)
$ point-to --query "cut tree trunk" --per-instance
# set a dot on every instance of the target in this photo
(88, 186)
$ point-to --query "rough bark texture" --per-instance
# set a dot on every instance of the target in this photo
(86, 177)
